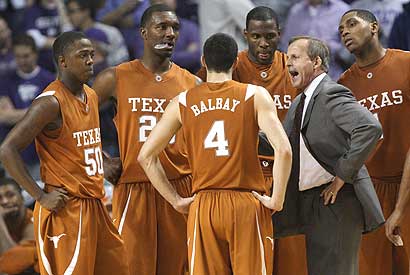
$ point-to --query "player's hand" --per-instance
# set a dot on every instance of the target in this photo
(329, 194)
(112, 169)
(268, 202)
(392, 227)
(182, 204)
(54, 200)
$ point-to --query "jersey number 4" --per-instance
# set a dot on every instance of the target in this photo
(94, 161)
(215, 139)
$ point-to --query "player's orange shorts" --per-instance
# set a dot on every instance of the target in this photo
(290, 252)
(154, 233)
(229, 232)
(378, 256)
(79, 239)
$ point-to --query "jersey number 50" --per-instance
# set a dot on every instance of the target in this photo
(216, 139)
(94, 160)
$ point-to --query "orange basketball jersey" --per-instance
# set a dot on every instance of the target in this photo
(73, 160)
(221, 132)
(384, 89)
(273, 77)
(141, 100)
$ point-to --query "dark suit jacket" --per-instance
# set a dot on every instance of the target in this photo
(340, 134)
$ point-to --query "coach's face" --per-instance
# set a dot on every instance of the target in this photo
(263, 38)
(356, 32)
(78, 60)
(301, 68)
(161, 33)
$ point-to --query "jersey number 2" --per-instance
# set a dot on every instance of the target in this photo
(216, 139)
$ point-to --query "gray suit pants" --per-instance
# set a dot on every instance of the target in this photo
(333, 232)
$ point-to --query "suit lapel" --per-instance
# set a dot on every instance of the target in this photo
(312, 101)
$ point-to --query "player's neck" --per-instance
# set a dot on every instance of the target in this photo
(214, 77)
(74, 86)
(370, 54)
(156, 64)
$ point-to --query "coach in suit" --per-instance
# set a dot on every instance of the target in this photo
(330, 197)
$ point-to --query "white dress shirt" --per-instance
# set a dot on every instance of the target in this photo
(312, 174)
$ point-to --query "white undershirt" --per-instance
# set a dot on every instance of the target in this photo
(312, 174)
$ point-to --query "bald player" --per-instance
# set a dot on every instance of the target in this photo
(262, 64)
(153, 232)
(380, 80)
(229, 230)
(74, 234)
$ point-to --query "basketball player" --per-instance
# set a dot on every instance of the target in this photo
(229, 231)
(74, 234)
(263, 65)
(153, 232)
(380, 81)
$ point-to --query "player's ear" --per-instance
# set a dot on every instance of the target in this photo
(245, 34)
(203, 61)
(143, 33)
(62, 62)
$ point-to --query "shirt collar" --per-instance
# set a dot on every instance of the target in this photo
(313, 85)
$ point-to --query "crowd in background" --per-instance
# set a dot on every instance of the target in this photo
(28, 29)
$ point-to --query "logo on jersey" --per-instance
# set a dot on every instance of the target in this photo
(282, 102)
(212, 104)
(87, 137)
(56, 239)
(384, 99)
(147, 104)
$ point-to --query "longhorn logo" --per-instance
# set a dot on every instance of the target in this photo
(56, 239)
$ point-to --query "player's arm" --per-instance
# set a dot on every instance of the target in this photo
(149, 156)
(105, 85)
(43, 112)
(394, 221)
(270, 124)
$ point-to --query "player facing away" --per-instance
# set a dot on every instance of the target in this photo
(229, 229)
(380, 80)
(74, 234)
(153, 232)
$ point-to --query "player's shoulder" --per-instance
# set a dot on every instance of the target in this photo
(126, 66)
(400, 55)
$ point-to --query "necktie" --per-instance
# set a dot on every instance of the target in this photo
(294, 138)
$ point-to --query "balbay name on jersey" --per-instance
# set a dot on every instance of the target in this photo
(384, 99)
(87, 137)
(282, 101)
(147, 104)
(212, 104)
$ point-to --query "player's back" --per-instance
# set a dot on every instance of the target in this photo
(141, 100)
(221, 132)
(71, 157)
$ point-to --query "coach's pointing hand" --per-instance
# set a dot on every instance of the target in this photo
(54, 200)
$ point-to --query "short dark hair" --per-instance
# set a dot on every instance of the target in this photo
(316, 47)
(147, 15)
(262, 13)
(9, 181)
(90, 5)
(24, 40)
(220, 52)
(64, 41)
(363, 14)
